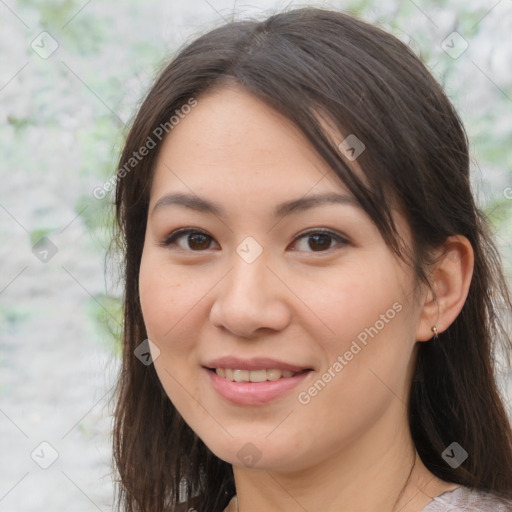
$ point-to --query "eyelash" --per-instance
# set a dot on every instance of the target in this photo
(176, 235)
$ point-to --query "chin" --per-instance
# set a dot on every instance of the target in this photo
(256, 453)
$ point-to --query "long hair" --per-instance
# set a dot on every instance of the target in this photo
(307, 64)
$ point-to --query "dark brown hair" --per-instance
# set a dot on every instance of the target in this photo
(303, 63)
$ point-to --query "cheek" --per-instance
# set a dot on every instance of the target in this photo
(166, 298)
(360, 381)
(353, 299)
(170, 308)
(371, 327)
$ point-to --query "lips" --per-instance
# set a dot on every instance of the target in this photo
(253, 381)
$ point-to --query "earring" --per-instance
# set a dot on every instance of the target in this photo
(436, 335)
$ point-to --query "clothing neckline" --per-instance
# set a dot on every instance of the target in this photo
(234, 500)
(446, 492)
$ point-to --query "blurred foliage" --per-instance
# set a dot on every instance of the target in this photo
(14, 314)
(498, 212)
(74, 23)
(19, 123)
(98, 156)
(98, 217)
(106, 312)
(38, 233)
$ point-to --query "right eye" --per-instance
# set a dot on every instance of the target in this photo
(189, 239)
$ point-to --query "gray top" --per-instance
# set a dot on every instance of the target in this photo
(460, 499)
(464, 499)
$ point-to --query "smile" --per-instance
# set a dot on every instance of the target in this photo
(238, 375)
(253, 387)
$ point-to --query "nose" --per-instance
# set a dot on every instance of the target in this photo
(250, 300)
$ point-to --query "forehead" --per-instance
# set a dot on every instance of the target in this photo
(233, 141)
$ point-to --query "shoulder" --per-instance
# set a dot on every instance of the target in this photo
(469, 500)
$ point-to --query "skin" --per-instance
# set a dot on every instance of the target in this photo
(349, 448)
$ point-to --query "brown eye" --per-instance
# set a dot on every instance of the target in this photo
(189, 239)
(318, 241)
(198, 241)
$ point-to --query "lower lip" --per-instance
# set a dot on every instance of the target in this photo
(254, 393)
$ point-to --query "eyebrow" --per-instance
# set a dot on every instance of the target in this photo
(301, 204)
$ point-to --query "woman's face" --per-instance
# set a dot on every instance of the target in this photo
(250, 267)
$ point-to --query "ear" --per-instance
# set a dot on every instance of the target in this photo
(450, 280)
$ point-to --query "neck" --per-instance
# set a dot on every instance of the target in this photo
(379, 472)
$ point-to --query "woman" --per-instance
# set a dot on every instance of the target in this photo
(310, 290)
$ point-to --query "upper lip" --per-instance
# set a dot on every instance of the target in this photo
(256, 363)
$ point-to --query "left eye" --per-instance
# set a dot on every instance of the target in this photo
(192, 239)
(313, 241)
(319, 241)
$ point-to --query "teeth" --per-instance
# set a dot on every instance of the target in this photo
(253, 375)
(256, 375)
(241, 375)
(273, 374)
